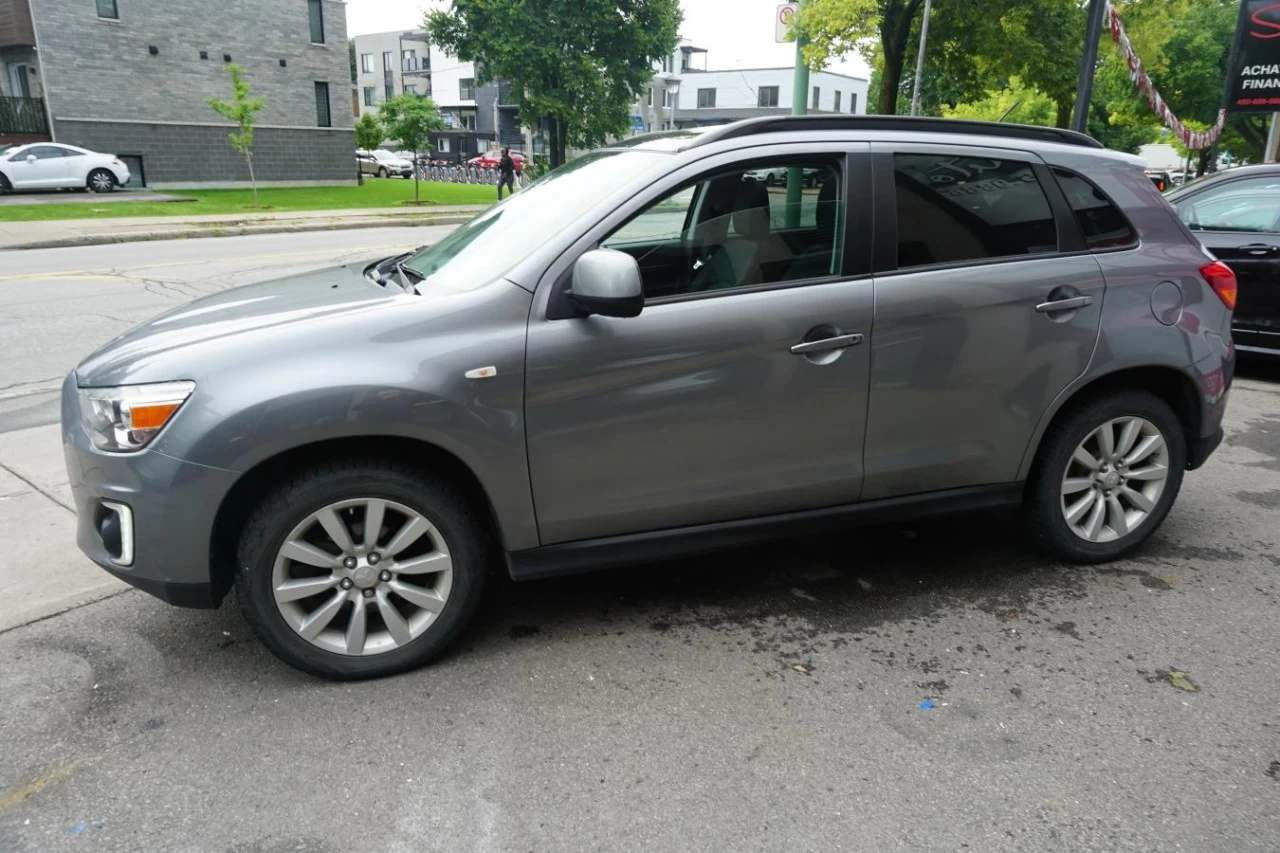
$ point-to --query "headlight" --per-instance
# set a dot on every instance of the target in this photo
(126, 418)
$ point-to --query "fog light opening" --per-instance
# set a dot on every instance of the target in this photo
(115, 529)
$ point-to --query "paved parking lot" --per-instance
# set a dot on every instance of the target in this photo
(916, 687)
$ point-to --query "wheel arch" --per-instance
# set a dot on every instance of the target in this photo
(1170, 384)
(243, 496)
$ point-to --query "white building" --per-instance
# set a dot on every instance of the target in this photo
(703, 97)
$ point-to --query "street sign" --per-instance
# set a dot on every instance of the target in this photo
(1254, 85)
(637, 122)
(782, 20)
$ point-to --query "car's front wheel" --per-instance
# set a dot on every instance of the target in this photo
(5, 186)
(361, 568)
(383, 173)
(101, 181)
(1106, 477)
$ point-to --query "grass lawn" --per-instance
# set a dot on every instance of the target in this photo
(390, 193)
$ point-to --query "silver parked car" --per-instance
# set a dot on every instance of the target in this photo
(647, 353)
(384, 163)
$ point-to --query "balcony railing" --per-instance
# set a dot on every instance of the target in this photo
(22, 115)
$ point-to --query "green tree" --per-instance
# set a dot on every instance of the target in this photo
(1016, 102)
(578, 63)
(877, 30)
(369, 132)
(242, 111)
(409, 121)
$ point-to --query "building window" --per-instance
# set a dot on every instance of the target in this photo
(316, 12)
(666, 98)
(666, 65)
(706, 99)
(767, 96)
(836, 108)
(107, 9)
(386, 62)
(444, 145)
(411, 89)
(390, 88)
(467, 121)
(853, 102)
(650, 96)
(817, 97)
(408, 60)
(467, 89)
(323, 119)
(370, 96)
(366, 63)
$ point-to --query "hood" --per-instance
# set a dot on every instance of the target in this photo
(160, 349)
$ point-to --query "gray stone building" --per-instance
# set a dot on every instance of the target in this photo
(132, 77)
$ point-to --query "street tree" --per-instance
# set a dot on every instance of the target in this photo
(409, 121)
(242, 111)
(877, 30)
(579, 64)
(1016, 102)
(369, 132)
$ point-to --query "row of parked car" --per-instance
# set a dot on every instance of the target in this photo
(388, 164)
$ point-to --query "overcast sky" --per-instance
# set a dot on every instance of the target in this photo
(738, 33)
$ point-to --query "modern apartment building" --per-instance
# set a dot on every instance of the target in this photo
(684, 93)
(477, 116)
(132, 77)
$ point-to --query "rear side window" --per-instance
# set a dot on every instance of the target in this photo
(1103, 224)
(959, 208)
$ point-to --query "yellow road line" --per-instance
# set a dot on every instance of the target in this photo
(25, 792)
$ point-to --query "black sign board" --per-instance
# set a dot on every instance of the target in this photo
(1254, 85)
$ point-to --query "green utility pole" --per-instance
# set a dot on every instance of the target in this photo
(799, 107)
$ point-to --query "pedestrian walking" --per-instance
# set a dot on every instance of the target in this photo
(506, 173)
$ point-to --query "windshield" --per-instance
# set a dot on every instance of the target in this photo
(496, 240)
(384, 155)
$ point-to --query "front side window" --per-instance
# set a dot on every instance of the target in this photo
(323, 119)
(732, 229)
(706, 98)
(1250, 206)
(108, 9)
(767, 96)
(1102, 223)
(370, 96)
(366, 63)
(315, 11)
(467, 89)
(44, 152)
(954, 208)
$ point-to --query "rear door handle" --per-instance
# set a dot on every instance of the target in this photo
(1257, 249)
(1064, 304)
(838, 342)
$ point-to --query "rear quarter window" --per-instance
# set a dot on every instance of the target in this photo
(1101, 221)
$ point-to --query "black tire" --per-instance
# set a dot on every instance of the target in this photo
(311, 489)
(770, 180)
(5, 186)
(1043, 517)
(101, 181)
(383, 173)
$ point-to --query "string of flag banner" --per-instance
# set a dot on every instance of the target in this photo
(1193, 139)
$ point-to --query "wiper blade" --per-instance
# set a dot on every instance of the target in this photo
(405, 272)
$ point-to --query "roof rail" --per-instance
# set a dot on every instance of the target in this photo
(914, 124)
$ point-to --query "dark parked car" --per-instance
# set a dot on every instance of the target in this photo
(647, 353)
(1162, 179)
(1236, 215)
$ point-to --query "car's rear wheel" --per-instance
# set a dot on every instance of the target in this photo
(101, 181)
(361, 568)
(1106, 477)
(383, 173)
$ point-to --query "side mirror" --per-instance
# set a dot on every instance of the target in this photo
(607, 282)
(31, 158)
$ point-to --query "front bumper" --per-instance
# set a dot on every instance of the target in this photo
(172, 503)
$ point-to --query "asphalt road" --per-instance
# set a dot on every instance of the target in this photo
(916, 687)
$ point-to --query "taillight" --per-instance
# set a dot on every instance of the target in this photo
(1223, 281)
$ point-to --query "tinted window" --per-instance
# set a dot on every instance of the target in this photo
(1249, 205)
(107, 9)
(1103, 224)
(959, 208)
(316, 15)
(323, 119)
(44, 152)
(734, 229)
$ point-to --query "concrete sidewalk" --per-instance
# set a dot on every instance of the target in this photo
(54, 234)
(43, 573)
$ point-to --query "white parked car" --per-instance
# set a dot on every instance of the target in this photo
(52, 165)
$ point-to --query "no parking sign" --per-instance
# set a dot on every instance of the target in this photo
(785, 17)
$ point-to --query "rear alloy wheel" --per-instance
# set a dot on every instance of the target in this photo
(359, 570)
(1106, 477)
(383, 173)
(102, 181)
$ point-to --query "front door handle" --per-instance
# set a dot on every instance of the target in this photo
(1257, 249)
(1070, 304)
(838, 342)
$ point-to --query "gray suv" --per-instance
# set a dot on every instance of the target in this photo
(652, 352)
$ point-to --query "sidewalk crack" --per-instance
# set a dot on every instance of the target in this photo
(50, 495)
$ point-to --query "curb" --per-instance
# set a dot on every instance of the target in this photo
(233, 230)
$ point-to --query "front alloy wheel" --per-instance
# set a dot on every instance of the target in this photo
(361, 577)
